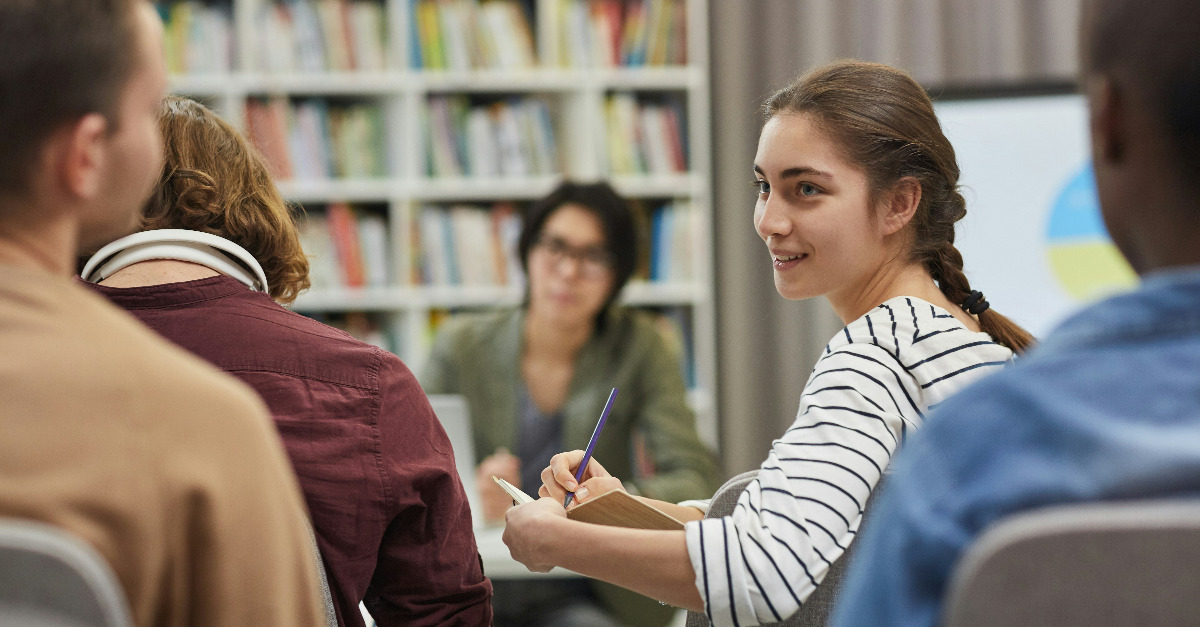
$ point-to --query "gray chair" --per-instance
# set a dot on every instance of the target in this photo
(50, 578)
(819, 605)
(328, 609)
(1115, 563)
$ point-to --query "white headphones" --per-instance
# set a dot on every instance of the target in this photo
(205, 249)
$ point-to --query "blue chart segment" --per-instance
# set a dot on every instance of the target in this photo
(1082, 257)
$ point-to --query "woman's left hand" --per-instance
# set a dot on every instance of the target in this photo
(528, 532)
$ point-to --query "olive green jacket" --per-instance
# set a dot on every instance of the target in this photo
(478, 356)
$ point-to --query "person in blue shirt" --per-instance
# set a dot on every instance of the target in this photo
(1108, 406)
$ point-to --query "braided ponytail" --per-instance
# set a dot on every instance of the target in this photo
(945, 265)
(887, 125)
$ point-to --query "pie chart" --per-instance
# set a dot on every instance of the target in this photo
(1081, 255)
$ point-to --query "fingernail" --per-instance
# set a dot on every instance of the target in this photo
(572, 486)
(581, 493)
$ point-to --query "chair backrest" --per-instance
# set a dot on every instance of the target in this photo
(330, 611)
(1114, 563)
(452, 411)
(818, 607)
(49, 577)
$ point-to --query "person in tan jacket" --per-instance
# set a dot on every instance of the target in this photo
(171, 470)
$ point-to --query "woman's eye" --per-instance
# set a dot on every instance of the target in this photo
(807, 189)
(762, 186)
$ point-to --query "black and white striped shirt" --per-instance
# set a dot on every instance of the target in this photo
(874, 383)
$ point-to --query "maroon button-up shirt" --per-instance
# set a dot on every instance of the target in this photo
(375, 465)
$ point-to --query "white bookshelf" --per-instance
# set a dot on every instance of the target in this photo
(576, 97)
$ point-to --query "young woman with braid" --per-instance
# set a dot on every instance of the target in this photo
(856, 201)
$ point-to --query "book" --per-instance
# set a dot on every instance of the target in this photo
(615, 509)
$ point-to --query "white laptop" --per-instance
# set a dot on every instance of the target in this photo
(451, 410)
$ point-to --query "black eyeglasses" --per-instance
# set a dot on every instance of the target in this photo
(594, 262)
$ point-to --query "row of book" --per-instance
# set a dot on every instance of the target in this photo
(510, 137)
(468, 245)
(645, 136)
(675, 325)
(320, 36)
(467, 34)
(347, 247)
(674, 229)
(198, 37)
(314, 139)
(610, 33)
(351, 35)
(464, 245)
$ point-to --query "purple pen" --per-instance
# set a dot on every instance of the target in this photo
(587, 455)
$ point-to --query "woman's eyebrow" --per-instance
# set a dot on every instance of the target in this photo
(793, 172)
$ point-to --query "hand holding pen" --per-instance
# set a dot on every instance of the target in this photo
(557, 478)
(587, 454)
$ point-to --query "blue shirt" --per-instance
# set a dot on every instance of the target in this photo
(1108, 407)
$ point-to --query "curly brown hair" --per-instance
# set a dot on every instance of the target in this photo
(214, 181)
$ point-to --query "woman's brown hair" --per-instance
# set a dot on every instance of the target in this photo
(884, 123)
(214, 181)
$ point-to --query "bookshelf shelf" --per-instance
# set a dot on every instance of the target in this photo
(302, 106)
(347, 190)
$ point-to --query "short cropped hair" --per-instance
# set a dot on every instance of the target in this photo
(1153, 48)
(616, 219)
(214, 181)
(59, 61)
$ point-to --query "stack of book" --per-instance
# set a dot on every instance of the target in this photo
(346, 248)
(469, 245)
(198, 37)
(468, 34)
(644, 136)
(313, 139)
(512, 137)
(673, 233)
(610, 33)
(320, 36)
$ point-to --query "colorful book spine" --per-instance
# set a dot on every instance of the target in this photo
(470, 245)
(347, 247)
(463, 35)
(645, 136)
(512, 137)
(313, 139)
(198, 37)
(320, 36)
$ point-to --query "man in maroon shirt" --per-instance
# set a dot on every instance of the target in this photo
(376, 467)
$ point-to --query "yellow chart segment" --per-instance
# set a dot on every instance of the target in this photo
(1089, 270)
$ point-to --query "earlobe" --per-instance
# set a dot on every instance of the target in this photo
(81, 156)
(902, 205)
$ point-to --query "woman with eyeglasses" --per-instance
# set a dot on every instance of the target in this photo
(536, 377)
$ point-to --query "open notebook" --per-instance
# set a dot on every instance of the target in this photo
(616, 509)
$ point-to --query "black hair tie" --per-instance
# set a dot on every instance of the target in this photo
(975, 303)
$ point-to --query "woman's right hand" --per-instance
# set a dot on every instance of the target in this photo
(492, 499)
(559, 478)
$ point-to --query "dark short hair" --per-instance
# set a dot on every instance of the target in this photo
(1153, 49)
(59, 60)
(616, 219)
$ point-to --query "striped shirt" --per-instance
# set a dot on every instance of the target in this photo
(875, 382)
